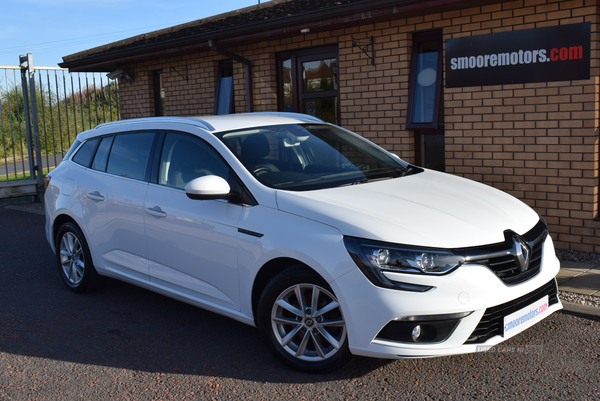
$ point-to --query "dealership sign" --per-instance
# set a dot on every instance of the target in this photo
(557, 53)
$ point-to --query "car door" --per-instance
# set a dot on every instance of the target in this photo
(112, 197)
(192, 244)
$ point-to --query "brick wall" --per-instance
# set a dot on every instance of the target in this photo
(538, 142)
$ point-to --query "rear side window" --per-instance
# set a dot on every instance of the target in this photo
(129, 155)
(85, 153)
(101, 159)
(74, 146)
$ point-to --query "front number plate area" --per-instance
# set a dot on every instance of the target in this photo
(525, 317)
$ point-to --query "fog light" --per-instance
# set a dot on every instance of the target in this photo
(421, 329)
(416, 333)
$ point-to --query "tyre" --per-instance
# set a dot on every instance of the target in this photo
(302, 322)
(74, 260)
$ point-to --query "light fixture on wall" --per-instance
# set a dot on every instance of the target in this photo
(119, 74)
(305, 31)
(122, 74)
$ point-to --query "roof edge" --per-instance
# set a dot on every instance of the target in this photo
(350, 14)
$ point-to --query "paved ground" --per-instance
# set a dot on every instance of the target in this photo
(127, 343)
(580, 278)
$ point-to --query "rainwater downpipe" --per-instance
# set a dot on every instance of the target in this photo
(212, 44)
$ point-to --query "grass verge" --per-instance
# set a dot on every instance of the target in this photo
(21, 176)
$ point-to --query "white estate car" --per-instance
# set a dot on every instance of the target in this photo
(327, 243)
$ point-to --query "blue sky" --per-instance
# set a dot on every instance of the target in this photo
(51, 29)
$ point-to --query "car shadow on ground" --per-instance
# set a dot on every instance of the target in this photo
(124, 326)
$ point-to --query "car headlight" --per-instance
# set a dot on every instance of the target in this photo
(374, 258)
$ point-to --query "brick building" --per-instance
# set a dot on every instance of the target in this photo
(380, 68)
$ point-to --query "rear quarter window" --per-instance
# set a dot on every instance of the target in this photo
(72, 149)
(85, 153)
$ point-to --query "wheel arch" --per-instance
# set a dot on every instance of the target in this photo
(266, 273)
(59, 221)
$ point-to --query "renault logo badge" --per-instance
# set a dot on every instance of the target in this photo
(522, 253)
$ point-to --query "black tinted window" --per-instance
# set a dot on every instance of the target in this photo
(129, 155)
(74, 146)
(85, 153)
(101, 157)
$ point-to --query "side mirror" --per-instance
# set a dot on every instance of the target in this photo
(209, 187)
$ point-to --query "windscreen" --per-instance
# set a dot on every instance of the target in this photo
(302, 157)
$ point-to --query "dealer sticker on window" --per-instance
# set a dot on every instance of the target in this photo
(526, 317)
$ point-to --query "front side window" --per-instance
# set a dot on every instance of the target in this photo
(310, 156)
(129, 155)
(185, 157)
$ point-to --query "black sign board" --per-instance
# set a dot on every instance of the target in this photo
(557, 53)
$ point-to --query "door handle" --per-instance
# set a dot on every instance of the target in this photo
(156, 212)
(95, 196)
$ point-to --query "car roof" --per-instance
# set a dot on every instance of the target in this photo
(212, 123)
(251, 120)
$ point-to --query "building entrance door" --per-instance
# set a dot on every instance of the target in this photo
(309, 83)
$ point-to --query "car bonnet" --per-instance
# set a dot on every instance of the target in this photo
(427, 209)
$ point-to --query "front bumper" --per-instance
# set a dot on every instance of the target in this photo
(473, 288)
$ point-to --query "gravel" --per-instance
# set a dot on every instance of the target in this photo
(565, 255)
(581, 299)
(589, 258)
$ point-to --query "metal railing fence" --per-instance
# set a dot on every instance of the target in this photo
(42, 109)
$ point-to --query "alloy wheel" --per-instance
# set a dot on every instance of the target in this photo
(71, 258)
(308, 323)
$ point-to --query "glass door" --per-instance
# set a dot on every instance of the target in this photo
(309, 83)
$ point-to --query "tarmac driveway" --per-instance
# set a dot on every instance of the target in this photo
(123, 342)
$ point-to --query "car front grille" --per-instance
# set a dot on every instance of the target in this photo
(492, 321)
(503, 258)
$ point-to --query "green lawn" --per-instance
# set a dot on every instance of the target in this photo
(21, 176)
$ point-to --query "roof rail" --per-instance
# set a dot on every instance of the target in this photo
(195, 121)
(298, 116)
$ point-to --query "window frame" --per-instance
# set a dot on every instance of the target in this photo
(298, 57)
(159, 103)
(225, 65)
(419, 134)
(419, 38)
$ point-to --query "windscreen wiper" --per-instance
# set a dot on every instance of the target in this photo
(410, 169)
(366, 180)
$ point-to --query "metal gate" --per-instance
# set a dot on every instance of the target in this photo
(42, 110)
